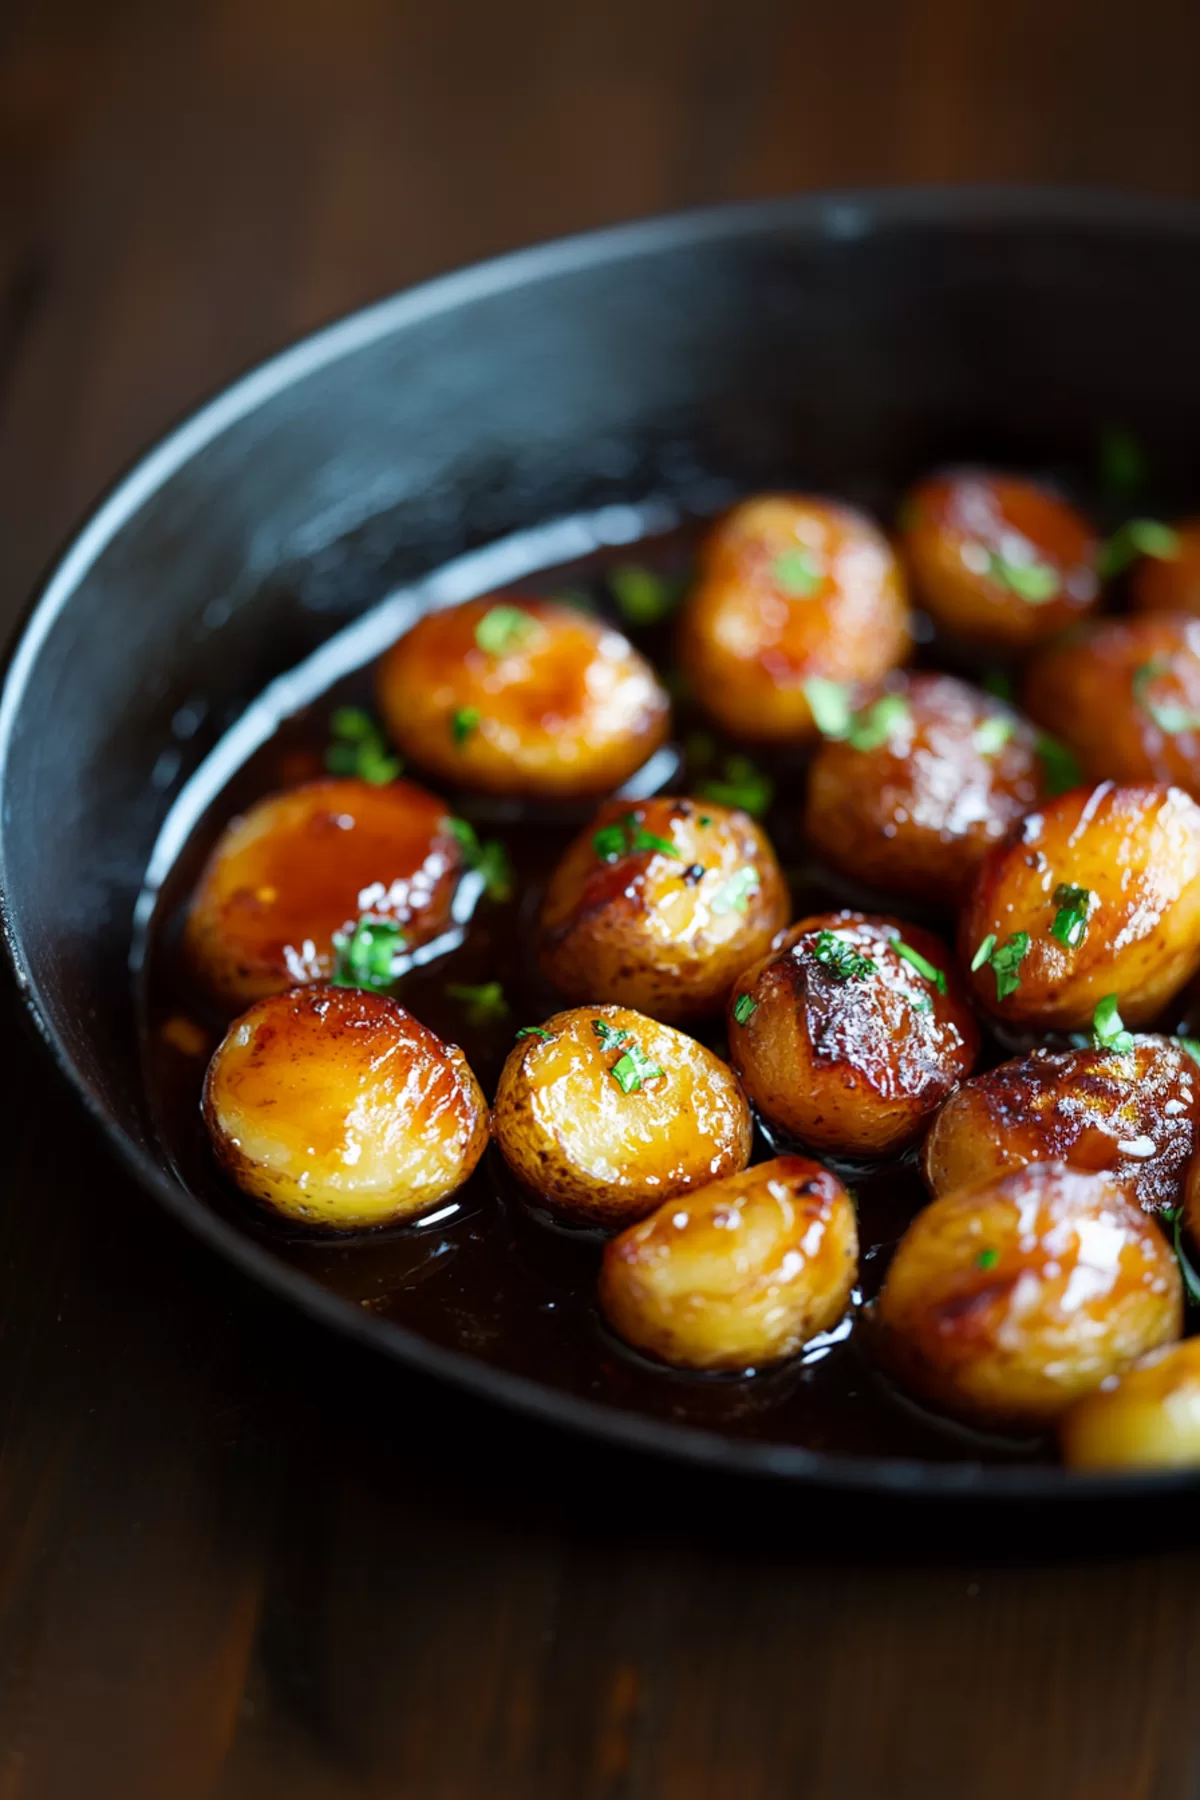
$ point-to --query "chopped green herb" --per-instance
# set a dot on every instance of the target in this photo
(1123, 465)
(1005, 959)
(1033, 582)
(611, 1037)
(1060, 767)
(1108, 1028)
(743, 1006)
(632, 1069)
(741, 785)
(842, 960)
(627, 837)
(1192, 1046)
(875, 724)
(984, 952)
(463, 721)
(503, 629)
(1137, 537)
(829, 703)
(364, 957)
(999, 684)
(536, 1031)
(734, 894)
(705, 820)
(834, 717)
(1168, 715)
(798, 572)
(920, 1003)
(360, 748)
(920, 963)
(490, 859)
(993, 734)
(987, 1259)
(643, 597)
(485, 1004)
(1071, 920)
(1173, 1216)
(609, 843)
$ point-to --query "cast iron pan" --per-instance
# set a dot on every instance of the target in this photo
(813, 342)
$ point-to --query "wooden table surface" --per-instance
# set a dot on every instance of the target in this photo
(237, 1558)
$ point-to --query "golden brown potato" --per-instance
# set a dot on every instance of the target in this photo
(1096, 893)
(1124, 695)
(999, 562)
(1148, 1418)
(337, 1108)
(1005, 1303)
(738, 1274)
(604, 1113)
(789, 588)
(301, 865)
(1170, 583)
(660, 906)
(842, 1041)
(910, 804)
(517, 696)
(1133, 1116)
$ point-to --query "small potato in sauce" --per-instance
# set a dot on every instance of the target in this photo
(336, 1108)
(1000, 563)
(912, 808)
(604, 1113)
(299, 866)
(1095, 893)
(1004, 1304)
(790, 587)
(851, 1032)
(738, 1274)
(1170, 584)
(524, 697)
(1148, 1418)
(660, 906)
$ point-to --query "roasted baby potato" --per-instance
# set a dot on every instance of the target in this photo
(604, 1113)
(1124, 695)
(518, 696)
(337, 1108)
(935, 773)
(660, 906)
(738, 1274)
(1170, 583)
(301, 865)
(788, 588)
(1134, 1116)
(1148, 1418)
(1005, 1303)
(999, 563)
(851, 1032)
(1095, 893)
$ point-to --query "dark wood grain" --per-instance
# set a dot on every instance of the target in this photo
(238, 1559)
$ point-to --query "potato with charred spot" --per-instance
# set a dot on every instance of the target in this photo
(1095, 893)
(1124, 695)
(1005, 1303)
(1148, 1418)
(519, 696)
(1170, 584)
(999, 562)
(790, 587)
(335, 1107)
(604, 1113)
(299, 866)
(738, 1274)
(930, 777)
(851, 1032)
(660, 906)
(1133, 1116)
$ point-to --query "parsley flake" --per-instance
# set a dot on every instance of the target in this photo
(1071, 920)
(740, 785)
(490, 859)
(835, 718)
(1108, 1028)
(634, 1068)
(485, 1004)
(611, 1036)
(1034, 582)
(875, 724)
(364, 956)
(1173, 1216)
(920, 963)
(535, 1031)
(643, 597)
(463, 721)
(1168, 715)
(1060, 766)
(743, 1007)
(993, 733)
(1005, 958)
(843, 961)
(798, 572)
(987, 1259)
(829, 704)
(734, 894)
(1192, 1046)
(627, 837)
(360, 748)
(504, 629)
(1137, 537)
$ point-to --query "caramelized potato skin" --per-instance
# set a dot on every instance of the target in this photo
(915, 814)
(1005, 1303)
(749, 641)
(1170, 584)
(1136, 850)
(961, 527)
(665, 934)
(738, 1274)
(597, 1155)
(1100, 691)
(298, 866)
(855, 1065)
(335, 1107)
(1133, 1117)
(1148, 1418)
(566, 707)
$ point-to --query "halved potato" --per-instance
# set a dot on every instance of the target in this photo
(337, 1108)
(1005, 1303)
(1148, 1418)
(660, 905)
(738, 1274)
(1170, 583)
(604, 1113)
(790, 587)
(511, 695)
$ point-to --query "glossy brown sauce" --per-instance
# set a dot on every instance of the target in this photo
(488, 1274)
